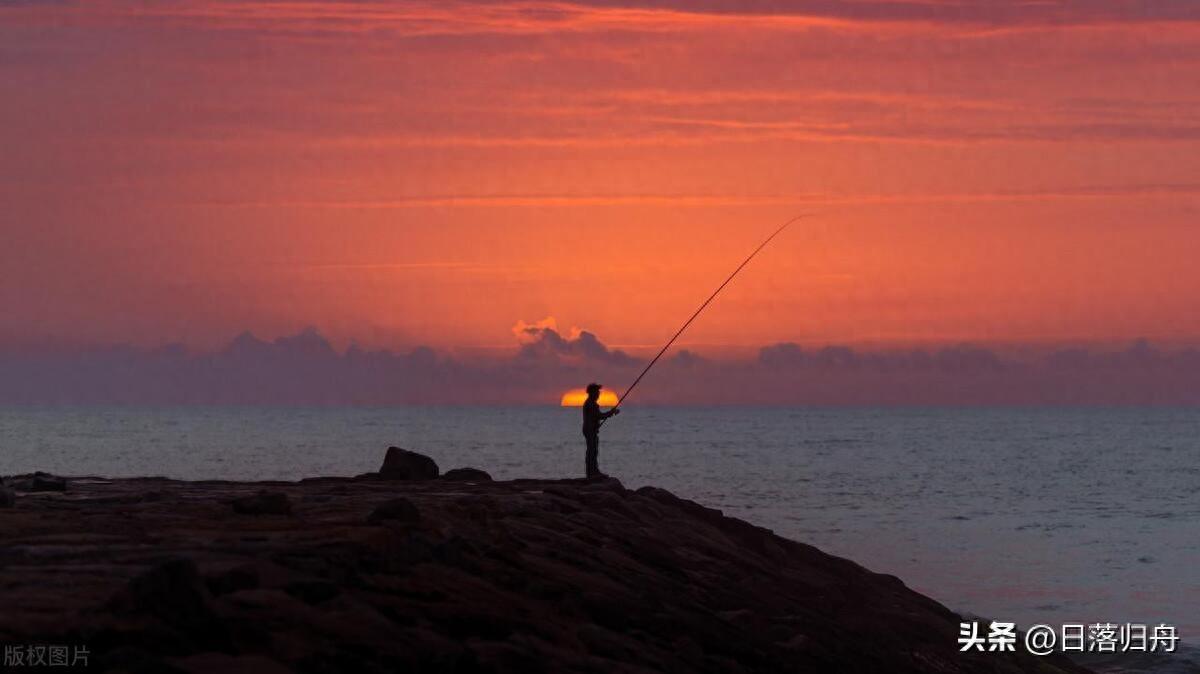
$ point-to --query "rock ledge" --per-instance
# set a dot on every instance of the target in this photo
(422, 575)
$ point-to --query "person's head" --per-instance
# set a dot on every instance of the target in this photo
(593, 391)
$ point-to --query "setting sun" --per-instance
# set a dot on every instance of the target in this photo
(576, 397)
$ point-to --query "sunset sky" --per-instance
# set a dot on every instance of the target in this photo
(434, 173)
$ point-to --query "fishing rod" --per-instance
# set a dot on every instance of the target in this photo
(702, 306)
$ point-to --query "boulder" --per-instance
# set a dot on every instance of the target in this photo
(401, 464)
(40, 481)
(397, 509)
(312, 591)
(172, 591)
(263, 503)
(234, 579)
(177, 607)
(48, 483)
(8, 498)
(467, 475)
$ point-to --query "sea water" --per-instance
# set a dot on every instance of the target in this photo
(1031, 516)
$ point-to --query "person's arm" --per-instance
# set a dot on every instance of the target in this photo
(611, 413)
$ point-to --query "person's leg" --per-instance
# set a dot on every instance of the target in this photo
(593, 451)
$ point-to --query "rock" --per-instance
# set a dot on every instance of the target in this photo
(241, 577)
(227, 664)
(172, 591)
(604, 482)
(8, 498)
(173, 595)
(401, 464)
(312, 591)
(263, 503)
(467, 475)
(40, 481)
(48, 483)
(798, 642)
(397, 509)
(505, 576)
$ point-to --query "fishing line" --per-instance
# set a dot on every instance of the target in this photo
(706, 303)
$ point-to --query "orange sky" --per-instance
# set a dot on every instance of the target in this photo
(431, 173)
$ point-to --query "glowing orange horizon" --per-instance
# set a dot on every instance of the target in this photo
(577, 396)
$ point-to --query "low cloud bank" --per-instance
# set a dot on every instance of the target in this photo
(304, 369)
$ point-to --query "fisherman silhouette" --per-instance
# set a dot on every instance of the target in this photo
(592, 416)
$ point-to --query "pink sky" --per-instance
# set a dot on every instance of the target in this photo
(433, 173)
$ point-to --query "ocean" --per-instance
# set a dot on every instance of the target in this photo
(1032, 516)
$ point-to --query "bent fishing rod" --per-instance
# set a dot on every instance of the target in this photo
(702, 306)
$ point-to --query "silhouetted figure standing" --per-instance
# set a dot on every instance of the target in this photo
(592, 416)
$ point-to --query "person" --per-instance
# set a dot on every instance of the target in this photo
(592, 416)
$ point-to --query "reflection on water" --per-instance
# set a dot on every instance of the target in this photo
(1033, 516)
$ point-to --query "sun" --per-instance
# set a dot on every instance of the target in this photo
(576, 397)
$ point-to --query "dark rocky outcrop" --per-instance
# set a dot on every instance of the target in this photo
(467, 475)
(401, 464)
(397, 509)
(263, 503)
(169, 601)
(511, 576)
(38, 481)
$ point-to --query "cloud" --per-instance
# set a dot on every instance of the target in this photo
(783, 355)
(957, 358)
(677, 132)
(688, 359)
(528, 333)
(304, 369)
(526, 17)
(1049, 193)
(542, 341)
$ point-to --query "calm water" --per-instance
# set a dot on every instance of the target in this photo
(1032, 516)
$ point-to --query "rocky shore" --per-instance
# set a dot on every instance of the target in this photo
(412, 570)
